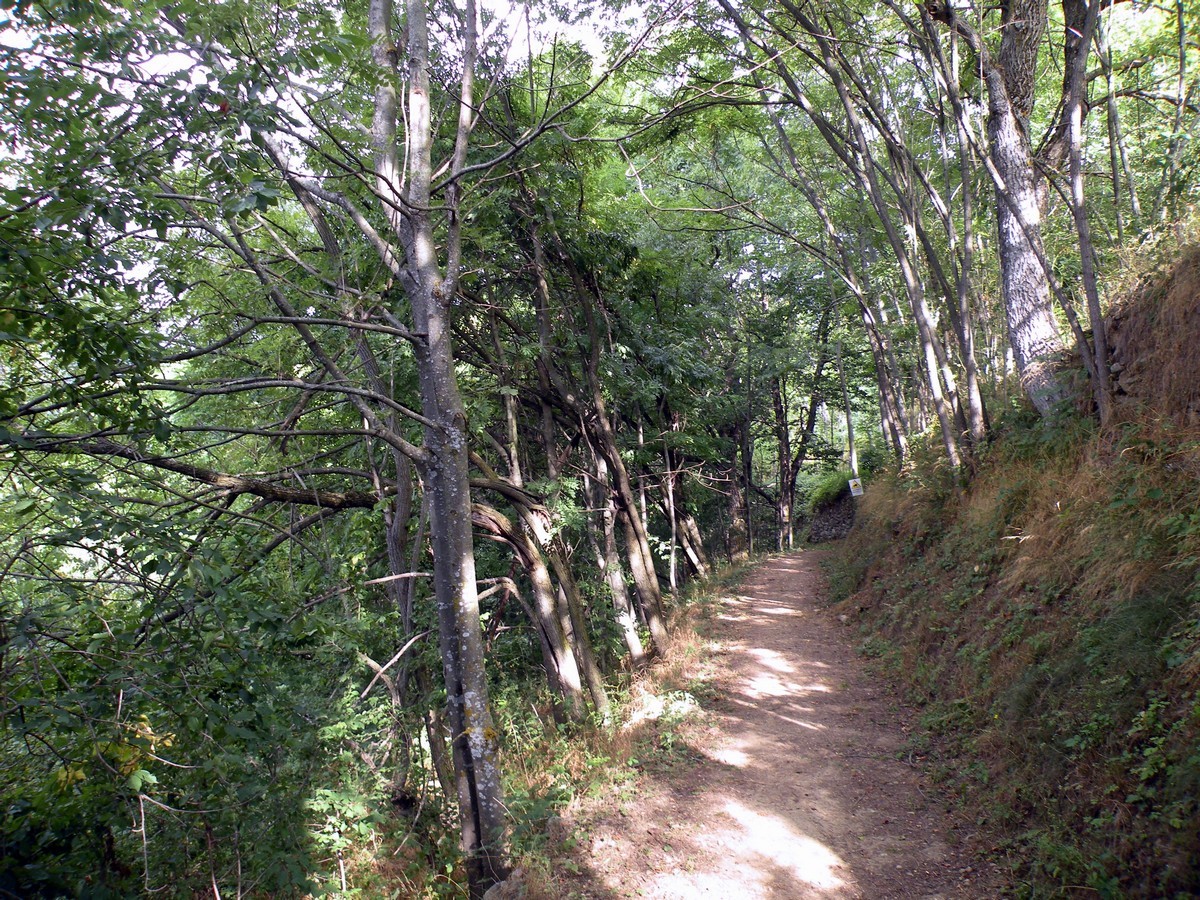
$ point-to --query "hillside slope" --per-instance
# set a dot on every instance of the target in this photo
(1047, 618)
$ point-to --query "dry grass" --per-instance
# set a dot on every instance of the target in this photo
(1156, 355)
(1048, 617)
(1042, 616)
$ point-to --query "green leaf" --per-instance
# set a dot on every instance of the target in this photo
(139, 779)
(24, 505)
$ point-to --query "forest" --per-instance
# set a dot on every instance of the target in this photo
(383, 382)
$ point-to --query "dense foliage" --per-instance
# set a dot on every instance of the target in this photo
(375, 377)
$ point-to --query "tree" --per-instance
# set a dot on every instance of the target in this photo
(350, 332)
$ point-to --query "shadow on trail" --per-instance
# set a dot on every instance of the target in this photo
(794, 789)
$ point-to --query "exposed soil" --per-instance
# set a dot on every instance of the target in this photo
(1155, 352)
(796, 781)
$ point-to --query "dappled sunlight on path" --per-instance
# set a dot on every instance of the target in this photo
(765, 850)
(796, 789)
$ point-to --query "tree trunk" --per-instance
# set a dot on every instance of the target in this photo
(558, 658)
(1082, 18)
(610, 563)
(641, 560)
(1118, 153)
(688, 532)
(738, 545)
(645, 580)
(1169, 188)
(445, 466)
(850, 446)
(977, 412)
(746, 446)
(668, 482)
(891, 401)
(859, 160)
(786, 497)
(1032, 332)
(585, 655)
(1024, 281)
(598, 424)
(693, 543)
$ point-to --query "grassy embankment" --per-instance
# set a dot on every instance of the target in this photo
(1046, 619)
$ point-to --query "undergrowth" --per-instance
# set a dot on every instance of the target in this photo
(554, 772)
(1046, 620)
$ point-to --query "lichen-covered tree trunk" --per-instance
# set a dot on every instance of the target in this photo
(447, 485)
(1024, 282)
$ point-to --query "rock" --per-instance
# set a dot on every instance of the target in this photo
(833, 521)
(512, 888)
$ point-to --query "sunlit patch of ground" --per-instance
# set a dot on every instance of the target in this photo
(740, 853)
(788, 785)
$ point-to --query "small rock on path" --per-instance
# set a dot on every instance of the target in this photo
(792, 787)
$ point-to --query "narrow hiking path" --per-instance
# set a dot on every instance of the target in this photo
(790, 786)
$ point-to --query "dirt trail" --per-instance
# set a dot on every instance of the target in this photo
(792, 787)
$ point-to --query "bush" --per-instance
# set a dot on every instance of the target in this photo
(827, 488)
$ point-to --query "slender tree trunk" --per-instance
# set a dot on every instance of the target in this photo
(585, 655)
(861, 163)
(941, 407)
(643, 508)
(546, 613)
(887, 374)
(598, 424)
(688, 532)
(1082, 18)
(816, 397)
(977, 412)
(785, 499)
(435, 731)
(445, 468)
(738, 542)
(641, 560)
(669, 501)
(645, 580)
(545, 347)
(852, 450)
(693, 543)
(604, 522)
(1169, 188)
(1117, 149)
(746, 433)
(912, 187)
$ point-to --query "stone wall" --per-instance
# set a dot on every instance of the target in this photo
(833, 521)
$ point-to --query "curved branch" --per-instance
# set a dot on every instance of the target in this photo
(229, 485)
